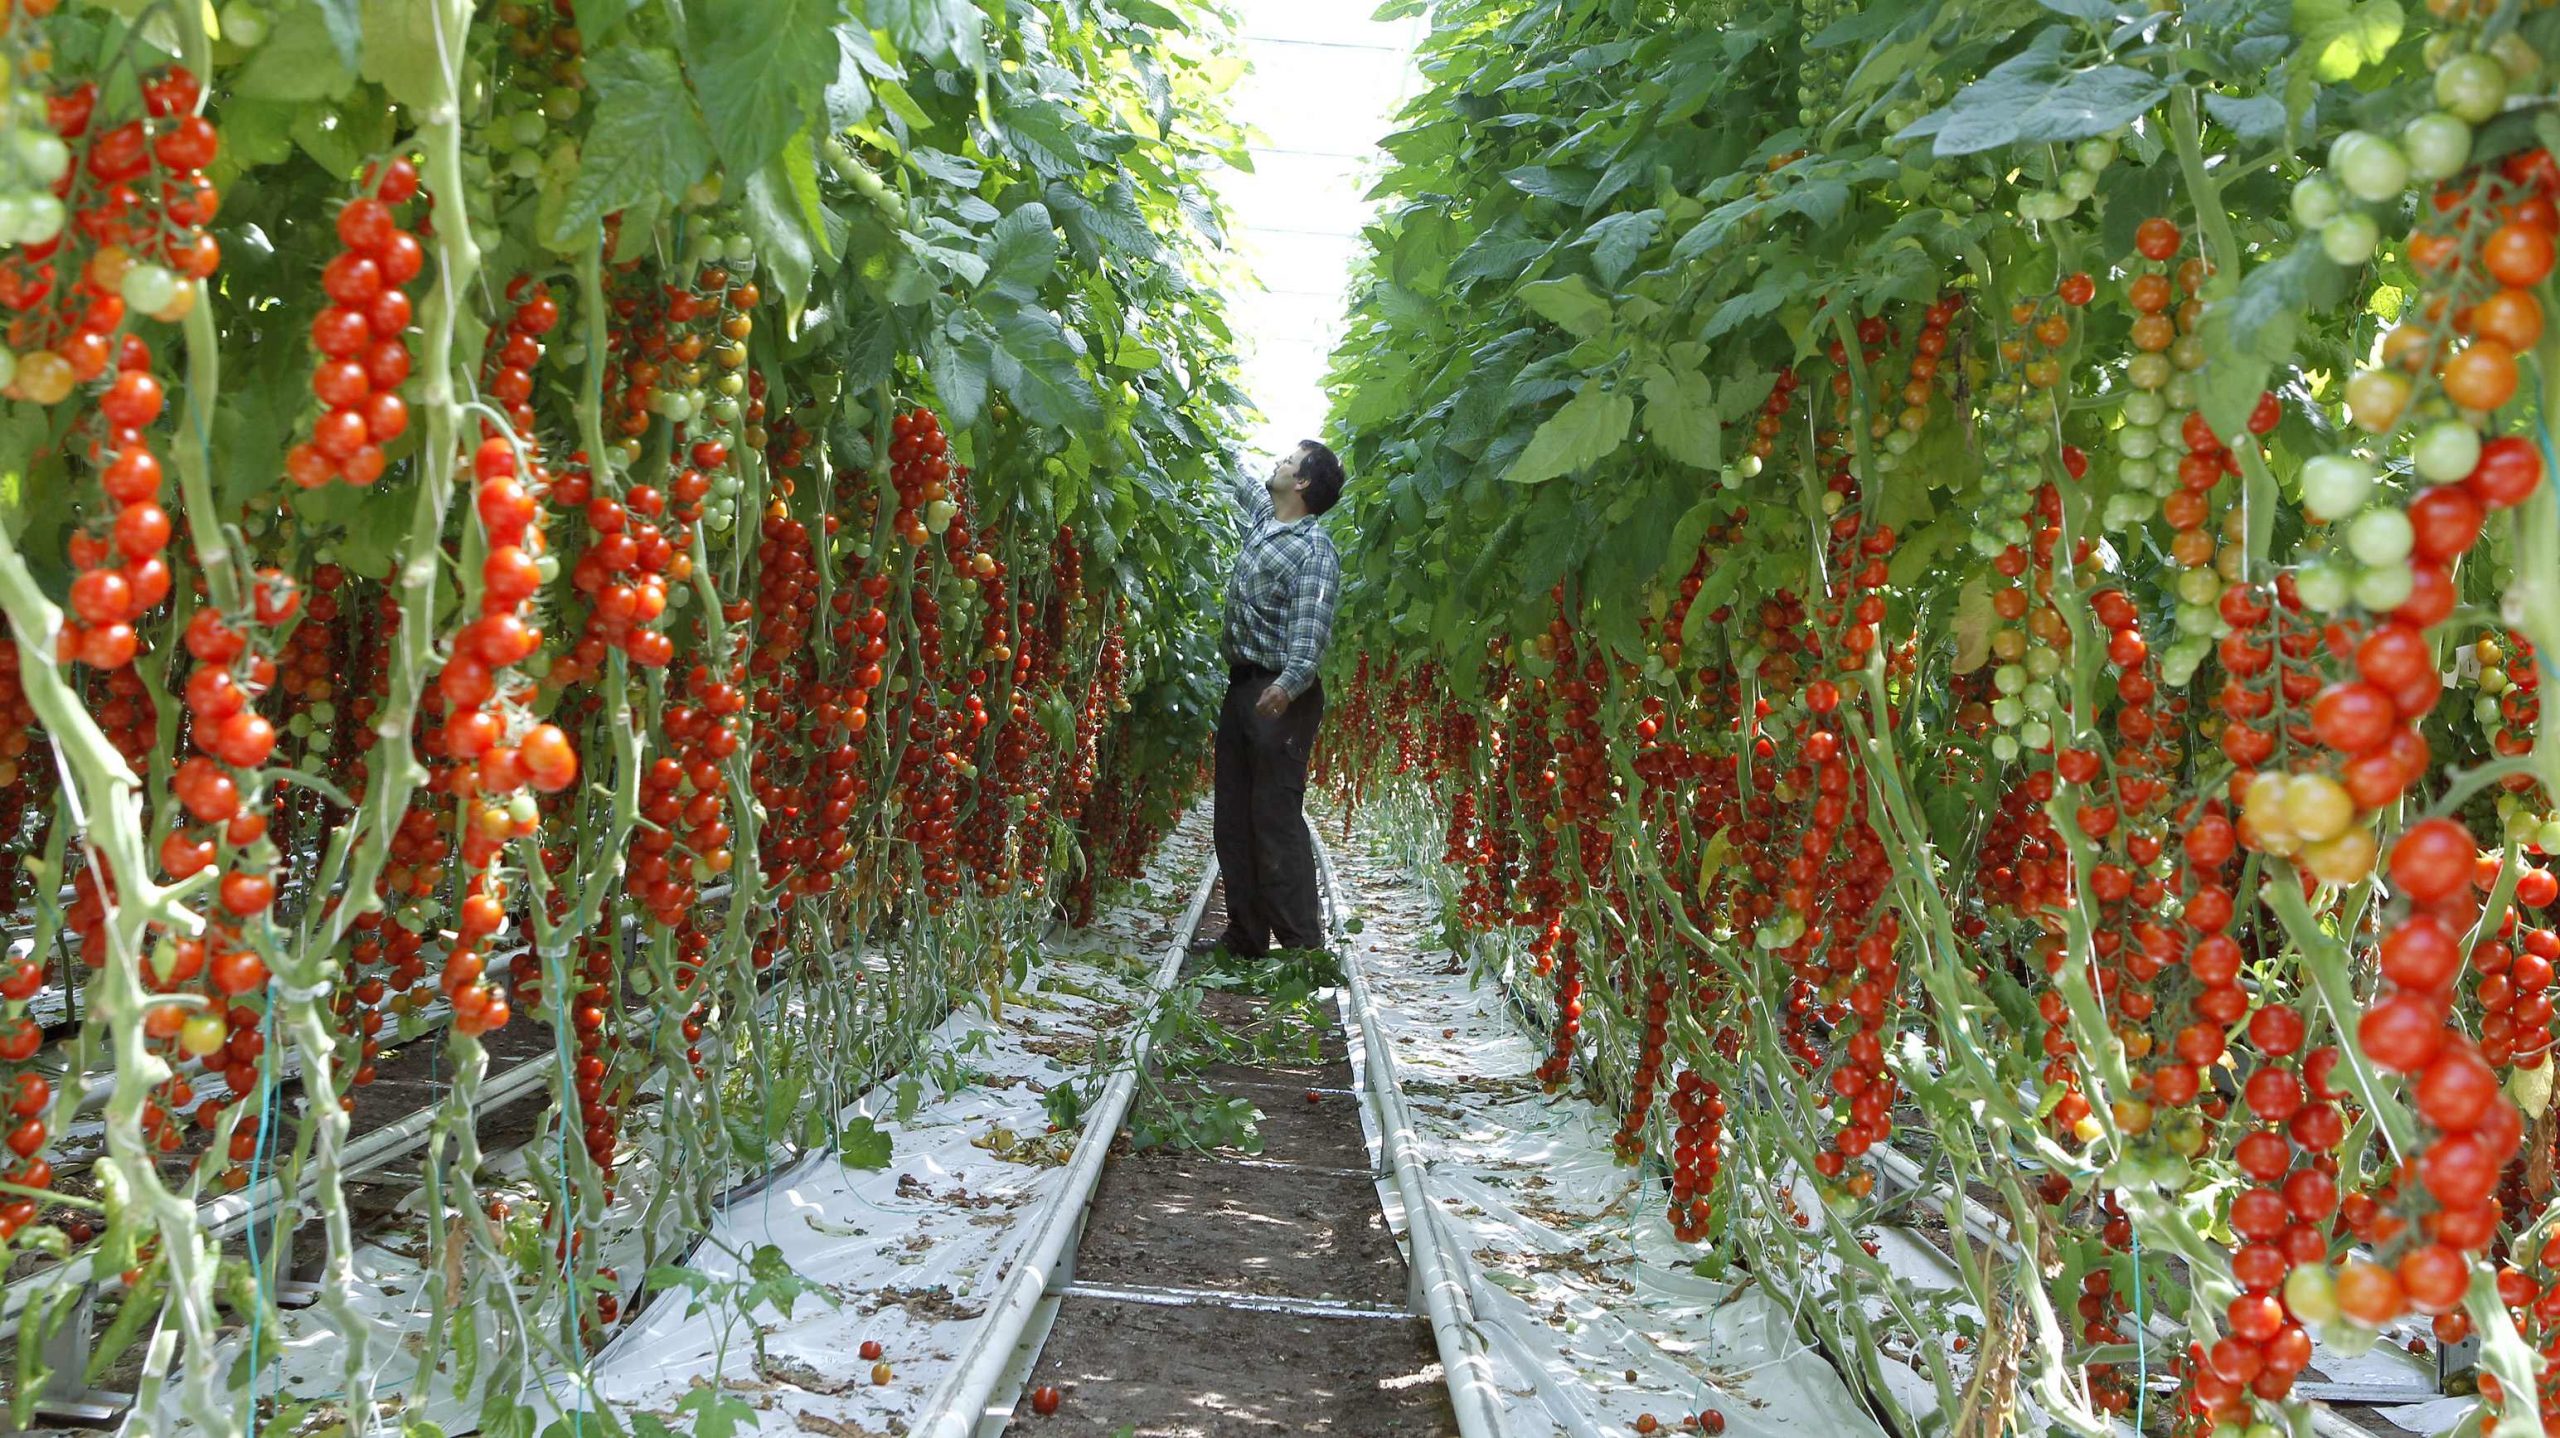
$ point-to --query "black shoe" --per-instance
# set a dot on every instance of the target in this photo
(1209, 945)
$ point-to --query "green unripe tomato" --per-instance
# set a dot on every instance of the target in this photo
(2316, 201)
(2078, 186)
(2144, 408)
(44, 219)
(244, 24)
(526, 128)
(42, 155)
(2094, 154)
(2180, 391)
(561, 104)
(2437, 144)
(2385, 587)
(2516, 55)
(2199, 585)
(2335, 485)
(2472, 87)
(2043, 663)
(2125, 511)
(2004, 749)
(2371, 167)
(2323, 587)
(2035, 734)
(2006, 712)
(2446, 451)
(2380, 535)
(2484, 711)
(2350, 238)
(148, 288)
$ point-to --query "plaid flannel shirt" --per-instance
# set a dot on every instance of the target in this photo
(1280, 598)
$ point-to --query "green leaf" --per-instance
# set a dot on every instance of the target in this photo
(2248, 335)
(1571, 302)
(760, 68)
(647, 141)
(895, 99)
(2341, 37)
(1743, 308)
(2255, 118)
(597, 19)
(1022, 251)
(1680, 416)
(1041, 366)
(302, 60)
(960, 368)
(784, 246)
(1587, 430)
(401, 45)
(1617, 240)
(1820, 201)
(345, 21)
(800, 176)
(928, 32)
(848, 97)
(2033, 96)
(1568, 185)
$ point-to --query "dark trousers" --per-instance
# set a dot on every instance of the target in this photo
(1264, 850)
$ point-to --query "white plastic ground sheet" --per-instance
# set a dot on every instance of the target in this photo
(906, 1254)
(1578, 1280)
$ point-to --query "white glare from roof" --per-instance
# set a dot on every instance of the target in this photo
(1325, 83)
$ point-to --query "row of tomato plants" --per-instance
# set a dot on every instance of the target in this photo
(2087, 709)
(511, 523)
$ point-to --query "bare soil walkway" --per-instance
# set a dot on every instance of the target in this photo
(1220, 1294)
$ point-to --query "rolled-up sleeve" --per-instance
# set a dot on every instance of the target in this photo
(1250, 494)
(1311, 600)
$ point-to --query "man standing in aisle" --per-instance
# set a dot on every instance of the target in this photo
(1279, 618)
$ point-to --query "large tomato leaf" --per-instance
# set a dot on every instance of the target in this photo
(648, 140)
(1588, 429)
(760, 68)
(2034, 95)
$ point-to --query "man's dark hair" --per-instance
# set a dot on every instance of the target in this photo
(1322, 470)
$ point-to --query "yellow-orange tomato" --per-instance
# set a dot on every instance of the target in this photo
(2482, 376)
(2512, 317)
(2375, 399)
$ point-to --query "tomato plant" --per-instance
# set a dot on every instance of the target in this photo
(1967, 571)
(580, 519)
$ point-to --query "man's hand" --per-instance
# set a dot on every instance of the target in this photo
(1273, 703)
